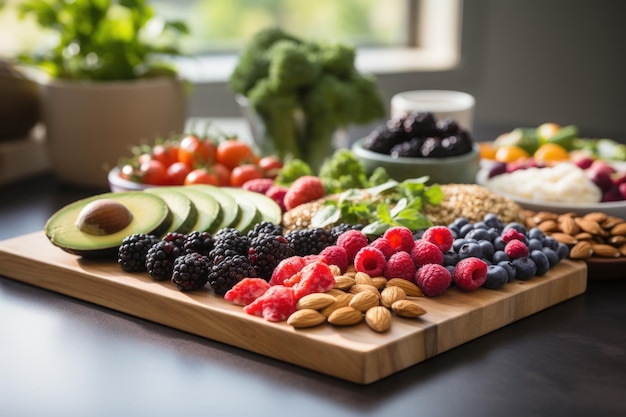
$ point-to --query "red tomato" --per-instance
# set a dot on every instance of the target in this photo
(270, 165)
(223, 174)
(166, 154)
(192, 152)
(209, 150)
(242, 173)
(233, 152)
(153, 172)
(177, 172)
(201, 176)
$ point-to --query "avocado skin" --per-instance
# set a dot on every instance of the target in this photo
(108, 246)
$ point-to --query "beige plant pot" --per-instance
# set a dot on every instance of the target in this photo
(90, 126)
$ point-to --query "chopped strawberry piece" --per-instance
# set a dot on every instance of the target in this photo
(276, 304)
(286, 269)
(315, 277)
(246, 291)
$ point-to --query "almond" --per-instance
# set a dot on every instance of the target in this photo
(581, 250)
(378, 318)
(407, 308)
(548, 226)
(542, 216)
(619, 229)
(568, 225)
(605, 251)
(335, 292)
(390, 295)
(590, 226)
(364, 300)
(379, 282)
(345, 316)
(622, 249)
(344, 282)
(617, 240)
(335, 270)
(411, 289)
(564, 238)
(315, 301)
(306, 318)
(612, 221)
(363, 278)
(596, 216)
(583, 236)
(357, 288)
(341, 301)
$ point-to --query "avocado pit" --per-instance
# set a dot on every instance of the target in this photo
(103, 217)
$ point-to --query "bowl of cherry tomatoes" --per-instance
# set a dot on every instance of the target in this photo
(191, 159)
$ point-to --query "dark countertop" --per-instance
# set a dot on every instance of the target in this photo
(60, 356)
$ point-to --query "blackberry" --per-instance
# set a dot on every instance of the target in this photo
(176, 238)
(266, 252)
(265, 227)
(131, 255)
(339, 228)
(198, 242)
(160, 259)
(407, 149)
(309, 241)
(191, 271)
(224, 275)
(433, 148)
(383, 139)
(456, 145)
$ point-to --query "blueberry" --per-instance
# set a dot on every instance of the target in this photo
(481, 225)
(450, 258)
(541, 260)
(536, 233)
(497, 276)
(418, 234)
(487, 249)
(525, 268)
(562, 250)
(465, 229)
(534, 244)
(550, 242)
(450, 269)
(515, 225)
(509, 268)
(498, 244)
(492, 220)
(460, 222)
(470, 249)
(552, 255)
(457, 243)
(500, 256)
(478, 234)
(493, 233)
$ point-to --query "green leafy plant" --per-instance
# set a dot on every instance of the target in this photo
(383, 206)
(103, 40)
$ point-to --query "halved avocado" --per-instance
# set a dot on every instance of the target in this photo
(184, 211)
(250, 214)
(270, 210)
(209, 210)
(149, 214)
(230, 208)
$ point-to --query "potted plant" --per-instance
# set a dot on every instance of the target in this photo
(107, 83)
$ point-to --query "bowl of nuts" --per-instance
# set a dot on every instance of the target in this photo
(416, 145)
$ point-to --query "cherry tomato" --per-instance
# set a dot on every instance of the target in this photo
(233, 152)
(153, 172)
(270, 165)
(177, 172)
(166, 154)
(223, 174)
(209, 150)
(201, 176)
(192, 152)
(242, 173)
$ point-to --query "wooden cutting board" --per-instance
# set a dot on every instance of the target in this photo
(356, 353)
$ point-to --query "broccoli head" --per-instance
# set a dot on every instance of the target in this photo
(291, 67)
(292, 170)
(336, 58)
(342, 171)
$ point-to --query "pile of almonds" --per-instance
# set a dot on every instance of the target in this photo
(593, 234)
(358, 297)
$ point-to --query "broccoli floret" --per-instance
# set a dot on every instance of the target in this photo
(292, 66)
(337, 59)
(292, 170)
(342, 171)
(379, 176)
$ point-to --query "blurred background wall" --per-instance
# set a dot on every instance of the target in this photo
(525, 61)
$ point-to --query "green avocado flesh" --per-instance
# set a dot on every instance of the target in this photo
(209, 210)
(150, 215)
(270, 210)
(250, 214)
(183, 210)
(230, 209)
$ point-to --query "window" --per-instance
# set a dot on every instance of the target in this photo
(392, 35)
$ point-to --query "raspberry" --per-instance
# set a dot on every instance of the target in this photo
(425, 252)
(400, 237)
(314, 277)
(440, 236)
(370, 260)
(470, 273)
(335, 255)
(433, 279)
(276, 304)
(512, 234)
(516, 249)
(384, 246)
(246, 291)
(286, 269)
(303, 190)
(352, 241)
(277, 193)
(400, 265)
(258, 185)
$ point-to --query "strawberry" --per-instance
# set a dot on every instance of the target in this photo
(304, 189)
